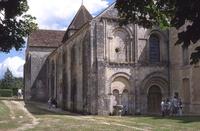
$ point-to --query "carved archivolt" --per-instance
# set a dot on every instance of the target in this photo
(157, 79)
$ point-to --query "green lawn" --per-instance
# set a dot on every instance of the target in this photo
(48, 121)
(61, 122)
(12, 119)
(97, 123)
(6, 122)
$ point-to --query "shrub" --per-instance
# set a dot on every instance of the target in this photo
(6, 93)
(15, 90)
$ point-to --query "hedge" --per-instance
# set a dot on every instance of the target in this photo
(6, 93)
(15, 90)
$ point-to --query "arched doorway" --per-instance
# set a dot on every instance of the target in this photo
(154, 99)
(153, 88)
(119, 90)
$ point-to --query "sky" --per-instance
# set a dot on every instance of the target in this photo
(53, 15)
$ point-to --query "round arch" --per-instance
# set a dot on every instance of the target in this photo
(156, 32)
(123, 28)
(120, 82)
(155, 79)
(119, 75)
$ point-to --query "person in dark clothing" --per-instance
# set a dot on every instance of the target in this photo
(54, 103)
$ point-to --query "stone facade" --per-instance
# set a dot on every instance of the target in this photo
(102, 64)
(40, 45)
(184, 78)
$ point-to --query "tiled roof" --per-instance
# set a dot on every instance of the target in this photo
(46, 38)
(81, 17)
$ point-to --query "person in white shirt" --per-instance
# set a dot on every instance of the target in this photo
(19, 93)
(162, 104)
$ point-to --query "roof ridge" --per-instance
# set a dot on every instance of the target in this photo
(112, 4)
(82, 17)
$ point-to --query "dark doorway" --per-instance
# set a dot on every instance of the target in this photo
(154, 99)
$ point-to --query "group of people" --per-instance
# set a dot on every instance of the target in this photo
(171, 107)
(52, 103)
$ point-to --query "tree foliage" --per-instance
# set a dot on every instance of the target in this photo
(8, 80)
(15, 24)
(10, 84)
(18, 83)
(165, 13)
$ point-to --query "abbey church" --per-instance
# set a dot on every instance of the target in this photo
(96, 64)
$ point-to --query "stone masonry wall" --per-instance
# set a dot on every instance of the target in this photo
(36, 87)
(184, 77)
(136, 70)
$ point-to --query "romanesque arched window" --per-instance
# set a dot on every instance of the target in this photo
(154, 49)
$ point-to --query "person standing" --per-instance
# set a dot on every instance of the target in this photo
(175, 105)
(162, 104)
(180, 108)
(19, 93)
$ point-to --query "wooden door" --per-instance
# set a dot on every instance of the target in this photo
(154, 99)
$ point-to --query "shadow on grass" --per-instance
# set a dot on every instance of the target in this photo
(39, 110)
(179, 119)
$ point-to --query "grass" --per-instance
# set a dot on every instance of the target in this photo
(4, 112)
(97, 123)
(68, 122)
(12, 119)
(60, 122)
(5, 118)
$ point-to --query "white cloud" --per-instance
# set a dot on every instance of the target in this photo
(15, 65)
(57, 14)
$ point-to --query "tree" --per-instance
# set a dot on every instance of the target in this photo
(15, 24)
(165, 13)
(0, 84)
(18, 82)
(11, 83)
(8, 80)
